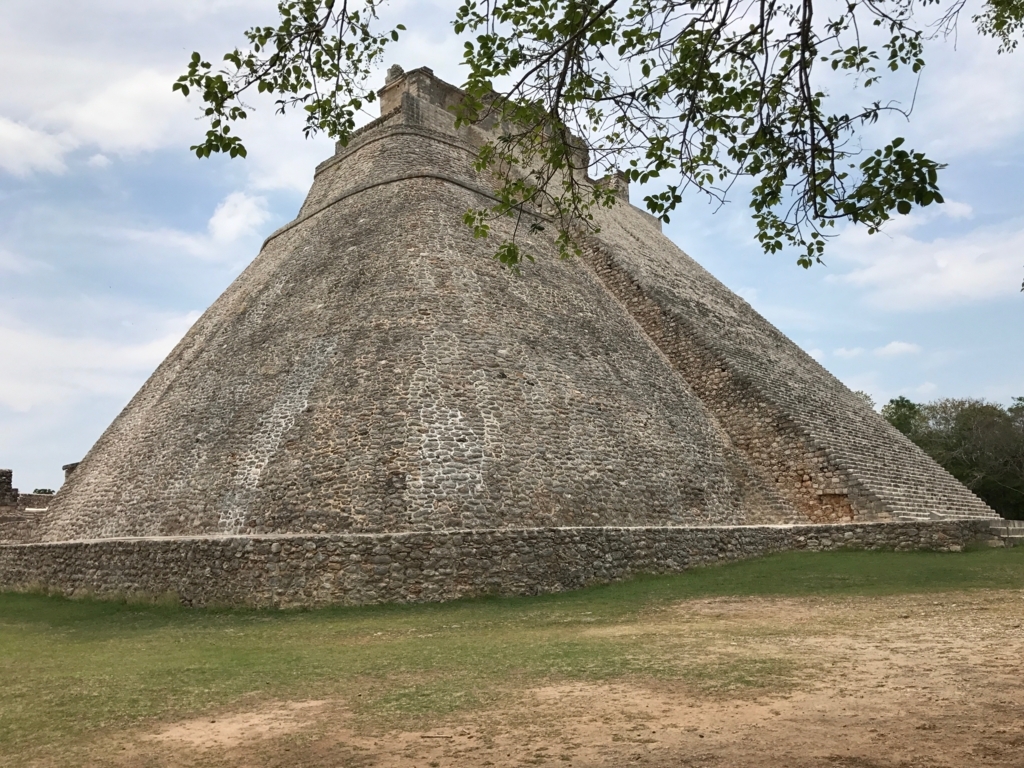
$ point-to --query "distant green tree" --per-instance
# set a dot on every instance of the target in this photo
(980, 443)
(865, 397)
(903, 414)
(1016, 410)
(44, 491)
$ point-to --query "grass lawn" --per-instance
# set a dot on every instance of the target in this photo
(69, 668)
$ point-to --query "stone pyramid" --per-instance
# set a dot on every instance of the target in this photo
(375, 371)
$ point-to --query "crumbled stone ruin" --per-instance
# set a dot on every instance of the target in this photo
(8, 494)
(374, 375)
(19, 512)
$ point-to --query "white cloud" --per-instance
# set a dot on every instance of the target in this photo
(897, 348)
(817, 354)
(789, 318)
(239, 215)
(128, 115)
(925, 389)
(165, 239)
(970, 99)
(99, 77)
(900, 272)
(864, 381)
(954, 209)
(966, 100)
(846, 354)
(279, 157)
(52, 369)
(235, 221)
(24, 150)
(18, 264)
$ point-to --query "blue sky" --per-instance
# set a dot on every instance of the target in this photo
(114, 238)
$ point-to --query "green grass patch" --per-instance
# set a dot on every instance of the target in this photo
(730, 675)
(435, 697)
(71, 667)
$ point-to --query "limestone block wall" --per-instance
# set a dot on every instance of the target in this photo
(311, 570)
(366, 378)
(826, 451)
(19, 512)
(8, 493)
(373, 370)
(19, 524)
(34, 500)
(785, 458)
(808, 438)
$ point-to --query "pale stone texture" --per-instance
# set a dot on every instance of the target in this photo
(305, 570)
(19, 512)
(374, 371)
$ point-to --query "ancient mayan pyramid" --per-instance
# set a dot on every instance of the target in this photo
(374, 370)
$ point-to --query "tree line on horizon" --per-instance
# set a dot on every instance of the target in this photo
(978, 442)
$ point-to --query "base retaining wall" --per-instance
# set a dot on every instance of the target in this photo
(314, 570)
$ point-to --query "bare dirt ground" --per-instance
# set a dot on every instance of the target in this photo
(924, 680)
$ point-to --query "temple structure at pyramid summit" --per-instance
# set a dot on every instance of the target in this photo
(376, 410)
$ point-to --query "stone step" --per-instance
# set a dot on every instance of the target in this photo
(1015, 526)
(1006, 533)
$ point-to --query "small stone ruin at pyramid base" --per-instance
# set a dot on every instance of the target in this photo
(375, 410)
(19, 512)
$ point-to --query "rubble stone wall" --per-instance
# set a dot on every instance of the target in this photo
(8, 493)
(34, 500)
(18, 524)
(19, 512)
(788, 460)
(362, 378)
(313, 570)
(374, 411)
(810, 434)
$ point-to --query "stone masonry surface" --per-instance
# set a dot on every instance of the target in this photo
(375, 372)
(309, 570)
(19, 512)
(369, 378)
(8, 493)
(823, 447)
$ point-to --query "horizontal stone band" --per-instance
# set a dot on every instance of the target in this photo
(297, 569)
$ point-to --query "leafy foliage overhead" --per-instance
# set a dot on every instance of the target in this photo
(696, 94)
(319, 57)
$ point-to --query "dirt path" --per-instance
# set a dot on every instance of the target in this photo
(873, 683)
